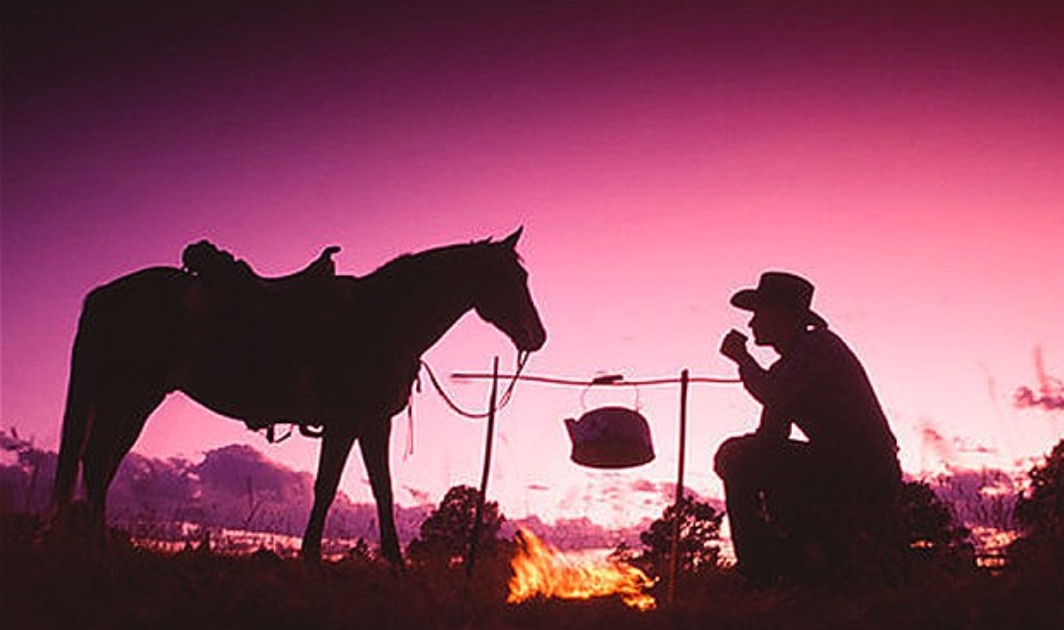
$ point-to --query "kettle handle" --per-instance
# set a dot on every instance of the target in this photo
(610, 380)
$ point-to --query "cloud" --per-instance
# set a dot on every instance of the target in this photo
(577, 533)
(1050, 393)
(950, 451)
(238, 487)
(233, 487)
(645, 485)
(421, 497)
(238, 469)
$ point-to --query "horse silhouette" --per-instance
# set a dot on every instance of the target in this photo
(313, 349)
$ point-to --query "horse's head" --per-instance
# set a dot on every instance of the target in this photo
(503, 299)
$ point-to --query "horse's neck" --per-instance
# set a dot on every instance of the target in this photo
(421, 304)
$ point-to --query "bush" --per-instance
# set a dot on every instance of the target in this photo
(699, 547)
(931, 527)
(1040, 514)
(444, 536)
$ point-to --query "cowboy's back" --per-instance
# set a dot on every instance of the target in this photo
(822, 388)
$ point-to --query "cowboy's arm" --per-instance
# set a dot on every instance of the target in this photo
(766, 388)
(774, 426)
(777, 389)
(783, 388)
(755, 379)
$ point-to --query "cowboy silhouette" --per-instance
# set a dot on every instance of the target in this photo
(818, 385)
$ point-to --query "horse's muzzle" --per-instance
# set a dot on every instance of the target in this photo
(532, 338)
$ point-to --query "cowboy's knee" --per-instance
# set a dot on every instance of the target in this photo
(732, 456)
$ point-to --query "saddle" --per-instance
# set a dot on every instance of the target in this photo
(219, 267)
(245, 314)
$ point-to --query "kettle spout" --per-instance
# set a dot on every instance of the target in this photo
(573, 427)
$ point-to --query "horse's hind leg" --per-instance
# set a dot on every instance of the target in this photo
(116, 427)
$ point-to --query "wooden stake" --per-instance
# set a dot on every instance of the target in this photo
(478, 516)
(674, 556)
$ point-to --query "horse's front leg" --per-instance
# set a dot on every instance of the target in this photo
(335, 447)
(374, 446)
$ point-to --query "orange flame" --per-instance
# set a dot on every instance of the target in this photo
(540, 569)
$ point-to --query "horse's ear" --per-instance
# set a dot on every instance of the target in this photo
(511, 240)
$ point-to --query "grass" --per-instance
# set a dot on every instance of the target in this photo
(50, 585)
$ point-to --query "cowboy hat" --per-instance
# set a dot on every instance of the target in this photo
(783, 289)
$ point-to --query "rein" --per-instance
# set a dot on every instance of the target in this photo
(521, 360)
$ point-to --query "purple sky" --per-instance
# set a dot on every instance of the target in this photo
(906, 157)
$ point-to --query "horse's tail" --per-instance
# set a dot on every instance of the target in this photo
(106, 355)
(80, 408)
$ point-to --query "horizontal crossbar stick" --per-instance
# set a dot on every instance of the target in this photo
(611, 380)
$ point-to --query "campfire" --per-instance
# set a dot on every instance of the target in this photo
(541, 570)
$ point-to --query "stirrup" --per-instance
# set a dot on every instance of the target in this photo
(311, 430)
(305, 429)
(271, 434)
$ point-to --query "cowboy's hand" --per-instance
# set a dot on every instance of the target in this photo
(734, 346)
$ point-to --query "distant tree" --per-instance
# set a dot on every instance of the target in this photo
(1040, 511)
(26, 478)
(444, 536)
(698, 545)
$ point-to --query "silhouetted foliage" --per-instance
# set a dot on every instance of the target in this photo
(361, 552)
(25, 483)
(843, 544)
(445, 534)
(698, 546)
(1040, 510)
(44, 584)
(1040, 513)
(931, 526)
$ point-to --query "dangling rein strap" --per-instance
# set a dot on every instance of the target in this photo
(522, 359)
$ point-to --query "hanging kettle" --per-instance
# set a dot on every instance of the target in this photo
(610, 437)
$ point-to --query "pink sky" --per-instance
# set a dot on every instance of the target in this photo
(906, 159)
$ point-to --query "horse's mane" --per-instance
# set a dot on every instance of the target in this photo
(405, 264)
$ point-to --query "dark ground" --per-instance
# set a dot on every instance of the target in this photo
(51, 585)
